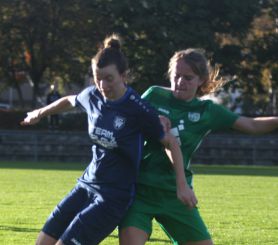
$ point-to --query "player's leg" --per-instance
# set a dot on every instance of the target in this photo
(133, 235)
(44, 239)
(136, 227)
(61, 217)
(98, 219)
(60, 242)
(187, 232)
(184, 226)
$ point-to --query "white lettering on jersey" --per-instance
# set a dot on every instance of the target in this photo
(103, 137)
(175, 131)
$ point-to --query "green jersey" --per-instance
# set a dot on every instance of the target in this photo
(191, 122)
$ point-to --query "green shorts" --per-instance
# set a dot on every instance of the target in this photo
(180, 223)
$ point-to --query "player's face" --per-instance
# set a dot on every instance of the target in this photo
(184, 82)
(109, 82)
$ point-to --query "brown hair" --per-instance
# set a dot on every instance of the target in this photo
(111, 54)
(197, 61)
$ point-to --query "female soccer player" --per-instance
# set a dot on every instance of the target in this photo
(117, 121)
(192, 119)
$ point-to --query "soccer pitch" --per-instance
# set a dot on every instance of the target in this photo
(238, 203)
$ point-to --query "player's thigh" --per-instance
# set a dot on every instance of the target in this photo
(96, 221)
(183, 225)
(138, 219)
(65, 212)
(140, 214)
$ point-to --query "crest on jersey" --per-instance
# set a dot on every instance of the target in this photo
(119, 122)
(194, 116)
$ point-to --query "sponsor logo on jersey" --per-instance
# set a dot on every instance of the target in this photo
(119, 122)
(194, 116)
(103, 137)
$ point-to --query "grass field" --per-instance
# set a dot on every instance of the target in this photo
(238, 203)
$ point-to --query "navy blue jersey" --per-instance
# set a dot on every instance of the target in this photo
(117, 129)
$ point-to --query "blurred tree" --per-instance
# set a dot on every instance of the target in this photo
(57, 39)
(51, 35)
(155, 29)
(11, 64)
(251, 55)
(260, 64)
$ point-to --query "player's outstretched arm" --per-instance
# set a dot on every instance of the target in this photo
(61, 105)
(184, 193)
(256, 125)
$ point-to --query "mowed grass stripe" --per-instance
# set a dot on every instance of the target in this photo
(238, 203)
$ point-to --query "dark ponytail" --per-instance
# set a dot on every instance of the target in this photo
(111, 54)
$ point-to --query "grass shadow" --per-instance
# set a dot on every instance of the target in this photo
(18, 229)
(44, 165)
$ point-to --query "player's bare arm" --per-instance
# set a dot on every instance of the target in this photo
(184, 193)
(257, 125)
(61, 105)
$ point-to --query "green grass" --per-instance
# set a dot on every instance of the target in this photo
(238, 203)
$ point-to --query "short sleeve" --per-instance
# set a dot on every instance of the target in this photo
(222, 118)
(82, 99)
(72, 100)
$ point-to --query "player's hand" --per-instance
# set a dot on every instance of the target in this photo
(166, 123)
(187, 196)
(32, 118)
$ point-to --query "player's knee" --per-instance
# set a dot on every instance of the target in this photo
(132, 235)
(44, 239)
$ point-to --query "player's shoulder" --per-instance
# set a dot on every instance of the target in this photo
(205, 101)
(159, 91)
(87, 92)
(133, 97)
(212, 106)
(136, 103)
(90, 89)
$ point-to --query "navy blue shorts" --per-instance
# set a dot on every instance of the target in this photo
(86, 217)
